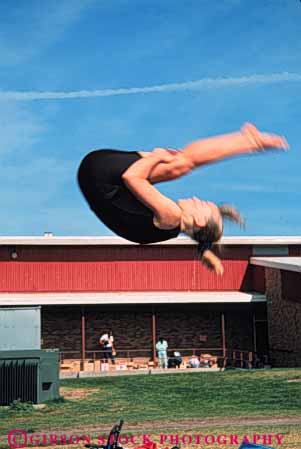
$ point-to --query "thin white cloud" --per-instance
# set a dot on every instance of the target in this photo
(204, 83)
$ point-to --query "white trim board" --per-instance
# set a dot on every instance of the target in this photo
(124, 298)
(85, 240)
(282, 263)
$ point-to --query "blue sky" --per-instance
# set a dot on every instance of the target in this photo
(64, 62)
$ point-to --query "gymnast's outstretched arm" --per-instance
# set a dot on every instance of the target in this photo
(207, 151)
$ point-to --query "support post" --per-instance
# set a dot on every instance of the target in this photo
(254, 333)
(223, 337)
(154, 331)
(83, 329)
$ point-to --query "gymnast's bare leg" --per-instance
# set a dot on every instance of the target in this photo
(213, 149)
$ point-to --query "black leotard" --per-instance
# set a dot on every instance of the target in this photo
(99, 178)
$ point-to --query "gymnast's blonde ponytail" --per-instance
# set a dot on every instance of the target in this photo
(212, 233)
(229, 212)
(212, 262)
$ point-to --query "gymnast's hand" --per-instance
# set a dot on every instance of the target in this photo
(163, 155)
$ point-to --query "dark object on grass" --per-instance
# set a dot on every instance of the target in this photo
(112, 441)
(253, 446)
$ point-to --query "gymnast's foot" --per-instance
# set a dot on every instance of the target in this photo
(263, 141)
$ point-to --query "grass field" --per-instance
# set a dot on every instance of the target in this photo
(230, 401)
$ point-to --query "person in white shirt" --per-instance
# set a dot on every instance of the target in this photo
(194, 362)
(161, 347)
(107, 343)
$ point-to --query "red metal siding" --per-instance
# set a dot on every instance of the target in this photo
(62, 269)
(117, 276)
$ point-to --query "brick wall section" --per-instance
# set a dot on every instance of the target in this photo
(61, 328)
(132, 326)
(284, 323)
(294, 250)
(239, 329)
(182, 328)
(291, 286)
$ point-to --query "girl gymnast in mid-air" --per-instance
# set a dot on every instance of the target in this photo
(119, 188)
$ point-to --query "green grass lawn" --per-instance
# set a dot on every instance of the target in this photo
(164, 399)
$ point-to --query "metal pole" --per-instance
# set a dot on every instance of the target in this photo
(83, 335)
(254, 333)
(154, 334)
(223, 337)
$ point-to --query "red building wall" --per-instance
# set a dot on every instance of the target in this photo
(119, 268)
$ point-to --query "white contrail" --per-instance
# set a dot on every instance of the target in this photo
(204, 83)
